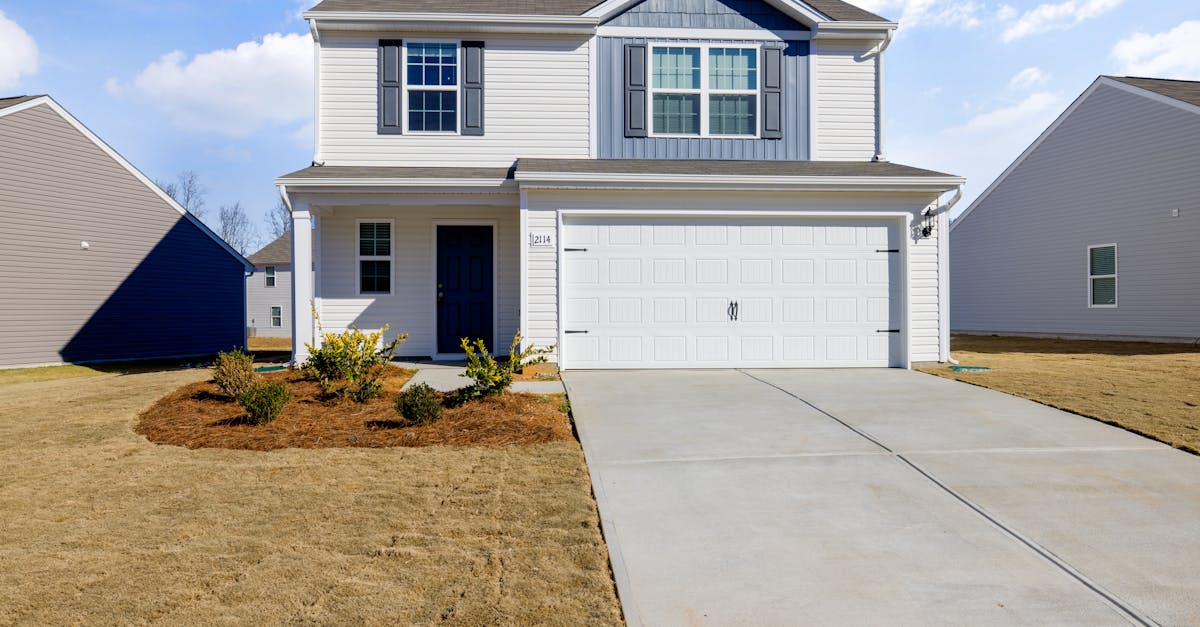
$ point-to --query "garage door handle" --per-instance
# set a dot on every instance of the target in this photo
(569, 332)
(887, 330)
(733, 310)
(887, 250)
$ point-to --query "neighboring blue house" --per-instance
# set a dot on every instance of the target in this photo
(653, 184)
(97, 263)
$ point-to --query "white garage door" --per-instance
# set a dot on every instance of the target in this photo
(700, 293)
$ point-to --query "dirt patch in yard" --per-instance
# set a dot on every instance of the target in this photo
(199, 416)
(103, 527)
(269, 344)
(1148, 388)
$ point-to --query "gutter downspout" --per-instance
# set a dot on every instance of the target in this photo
(942, 212)
(879, 153)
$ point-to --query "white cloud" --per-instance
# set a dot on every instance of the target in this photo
(1051, 17)
(983, 146)
(916, 13)
(230, 92)
(1173, 54)
(1028, 78)
(18, 53)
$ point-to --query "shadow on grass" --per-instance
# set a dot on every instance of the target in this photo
(995, 344)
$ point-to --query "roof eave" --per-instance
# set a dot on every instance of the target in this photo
(854, 30)
(460, 22)
(563, 180)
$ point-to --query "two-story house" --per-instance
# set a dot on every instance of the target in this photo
(651, 184)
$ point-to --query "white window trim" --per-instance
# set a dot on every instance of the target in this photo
(269, 274)
(359, 257)
(705, 92)
(456, 88)
(272, 316)
(1113, 276)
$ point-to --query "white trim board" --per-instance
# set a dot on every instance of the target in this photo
(124, 163)
(748, 35)
(1102, 81)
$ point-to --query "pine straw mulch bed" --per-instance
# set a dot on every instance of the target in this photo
(200, 416)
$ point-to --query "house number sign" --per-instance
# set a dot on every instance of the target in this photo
(544, 239)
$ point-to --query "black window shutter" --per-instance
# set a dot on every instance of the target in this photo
(472, 88)
(772, 93)
(391, 120)
(635, 90)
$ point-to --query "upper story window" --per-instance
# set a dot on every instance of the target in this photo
(431, 79)
(270, 275)
(704, 91)
(1102, 275)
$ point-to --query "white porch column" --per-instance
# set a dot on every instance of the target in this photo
(303, 331)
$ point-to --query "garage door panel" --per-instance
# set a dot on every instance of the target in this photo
(808, 293)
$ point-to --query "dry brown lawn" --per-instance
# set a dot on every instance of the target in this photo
(270, 344)
(99, 526)
(1151, 389)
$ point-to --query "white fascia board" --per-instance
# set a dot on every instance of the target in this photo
(559, 180)
(455, 22)
(1028, 151)
(129, 167)
(299, 185)
(872, 31)
(711, 33)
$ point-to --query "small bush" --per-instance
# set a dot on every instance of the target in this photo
(234, 373)
(419, 404)
(264, 401)
(490, 376)
(352, 363)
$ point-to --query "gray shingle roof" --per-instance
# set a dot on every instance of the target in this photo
(1183, 91)
(15, 100)
(835, 9)
(735, 168)
(384, 172)
(278, 252)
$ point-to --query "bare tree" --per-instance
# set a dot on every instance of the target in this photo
(187, 191)
(279, 220)
(236, 229)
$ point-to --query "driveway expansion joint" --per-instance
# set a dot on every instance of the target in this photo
(1121, 607)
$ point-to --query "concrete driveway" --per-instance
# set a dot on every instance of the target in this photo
(880, 497)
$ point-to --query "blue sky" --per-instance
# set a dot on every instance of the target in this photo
(223, 87)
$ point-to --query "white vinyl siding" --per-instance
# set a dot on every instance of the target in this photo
(541, 315)
(261, 298)
(1114, 170)
(844, 101)
(411, 306)
(536, 105)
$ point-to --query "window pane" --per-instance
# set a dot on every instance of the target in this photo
(677, 114)
(375, 276)
(276, 317)
(732, 68)
(732, 115)
(432, 64)
(676, 68)
(1104, 291)
(432, 111)
(374, 239)
(1104, 260)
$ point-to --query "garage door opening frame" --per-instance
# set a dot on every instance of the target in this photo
(904, 220)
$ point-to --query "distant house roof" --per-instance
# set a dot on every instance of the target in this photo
(278, 252)
(15, 100)
(1183, 91)
(834, 9)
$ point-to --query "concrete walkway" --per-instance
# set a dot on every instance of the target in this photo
(448, 376)
(880, 497)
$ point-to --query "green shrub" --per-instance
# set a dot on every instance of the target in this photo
(419, 404)
(234, 372)
(351, 363)
(490, 376)
(264, 401)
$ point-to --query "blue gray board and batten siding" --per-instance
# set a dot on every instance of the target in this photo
(702, 14)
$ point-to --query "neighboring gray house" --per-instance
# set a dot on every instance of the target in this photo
(1093, 231)
(269, 290)
(96, 262)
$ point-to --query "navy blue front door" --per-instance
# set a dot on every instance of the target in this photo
(464, 286)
